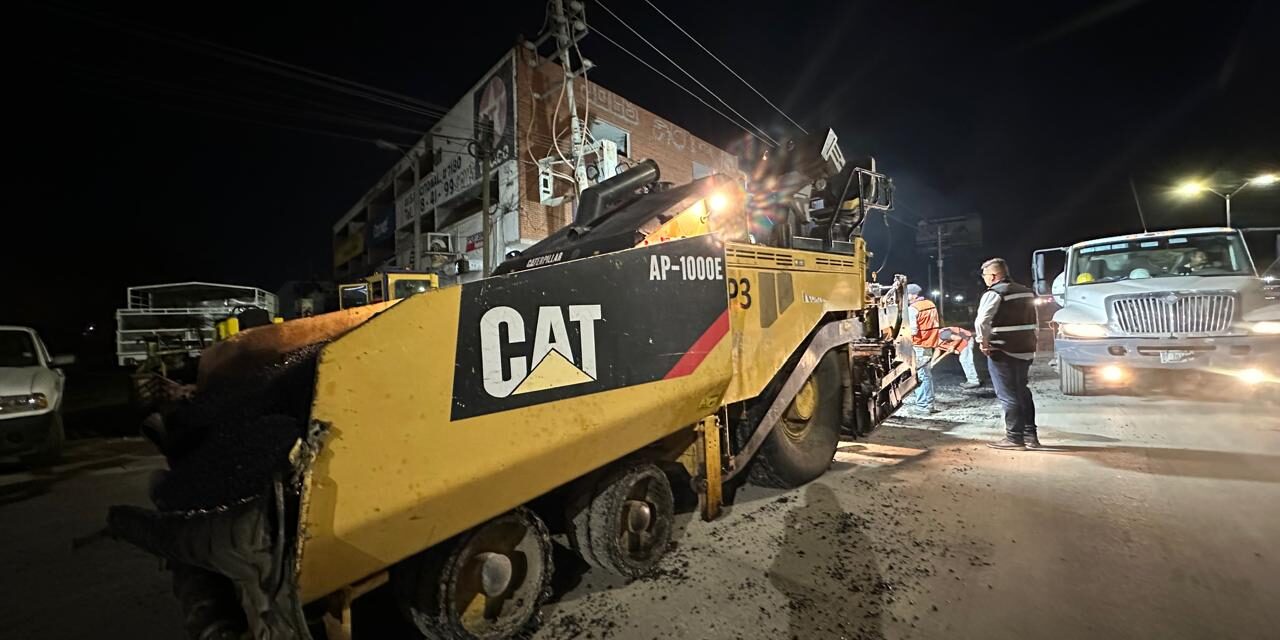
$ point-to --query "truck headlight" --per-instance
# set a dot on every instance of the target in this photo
(24, 402)
(1083, 330)
(1267, 327)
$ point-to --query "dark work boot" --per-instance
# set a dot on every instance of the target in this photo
(1007, 443)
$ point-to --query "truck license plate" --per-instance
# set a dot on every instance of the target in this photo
(1174, 357)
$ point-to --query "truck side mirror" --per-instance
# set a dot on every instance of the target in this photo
(1040, 270)
(1059, 289)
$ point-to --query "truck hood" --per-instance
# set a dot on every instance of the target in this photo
(1088, 303)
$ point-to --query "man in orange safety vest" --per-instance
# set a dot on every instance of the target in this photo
(922, 317)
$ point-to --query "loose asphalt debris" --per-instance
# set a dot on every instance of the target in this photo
(227, 443)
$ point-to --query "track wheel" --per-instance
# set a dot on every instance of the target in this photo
(803, 443)
(489, 582)
(621, 521)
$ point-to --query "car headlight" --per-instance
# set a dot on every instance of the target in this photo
(24, 402)
(1268, 327)
(1083, 330)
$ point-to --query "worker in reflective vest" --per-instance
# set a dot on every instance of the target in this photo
(922, 317)
(1006, 332)
(960, 342)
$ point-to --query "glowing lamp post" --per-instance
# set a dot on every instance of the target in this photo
(1193, 188)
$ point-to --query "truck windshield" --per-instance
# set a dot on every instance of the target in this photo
(1206, 254)
(17, 349)
(354, 295)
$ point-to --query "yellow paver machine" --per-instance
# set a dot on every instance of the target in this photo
(670, 340)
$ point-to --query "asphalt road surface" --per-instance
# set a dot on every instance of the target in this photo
(1153, 517)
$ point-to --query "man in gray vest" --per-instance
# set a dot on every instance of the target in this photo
(1006, 332)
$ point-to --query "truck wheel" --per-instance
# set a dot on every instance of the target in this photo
(621, 522)
(487, 583)
(50, 452)
(1072, 380)
(801, 446)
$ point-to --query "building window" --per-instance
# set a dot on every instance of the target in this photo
(701, 170)
(601, 130)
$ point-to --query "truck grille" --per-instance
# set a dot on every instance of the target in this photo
(1165, 314)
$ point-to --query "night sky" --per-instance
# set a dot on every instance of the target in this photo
(137, 159)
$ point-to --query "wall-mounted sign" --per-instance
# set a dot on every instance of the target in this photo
(382, 218)
(347, 248)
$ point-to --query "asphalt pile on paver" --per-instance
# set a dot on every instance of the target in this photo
(228, 442)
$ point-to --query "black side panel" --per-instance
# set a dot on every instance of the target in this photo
(589, 325)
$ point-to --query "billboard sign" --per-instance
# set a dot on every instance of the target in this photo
(456, 170)
(495, 100)
(960, 231)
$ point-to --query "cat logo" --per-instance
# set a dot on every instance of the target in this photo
(552, 356)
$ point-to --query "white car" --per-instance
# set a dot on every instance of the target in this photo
(31, 388)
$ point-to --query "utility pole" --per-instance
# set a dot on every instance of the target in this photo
(565, 25)
(942, 296)
(484, 148)
(416, 263)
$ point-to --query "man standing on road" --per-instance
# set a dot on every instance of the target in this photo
(1006, 332)
(922, 317)
(960, 342)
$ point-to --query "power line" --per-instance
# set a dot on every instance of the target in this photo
(685, 72)
(642, 61)
(260, 62)
(727, 68)
(272, 66)
(209, 98)
(225, 116)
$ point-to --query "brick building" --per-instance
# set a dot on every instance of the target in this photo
(523, 96)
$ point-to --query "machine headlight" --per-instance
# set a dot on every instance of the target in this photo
(718, 202)
(1267, 327)
(24, 402)
(1083, 330)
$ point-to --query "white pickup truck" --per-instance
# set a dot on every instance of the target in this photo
(1181, 299)
(31, 385)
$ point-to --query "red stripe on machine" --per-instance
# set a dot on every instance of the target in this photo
(689, 362)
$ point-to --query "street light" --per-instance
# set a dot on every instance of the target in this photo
(417, 215)
(1192, 188)
(1189, 188)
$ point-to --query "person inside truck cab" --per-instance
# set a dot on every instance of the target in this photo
(1195, 261)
